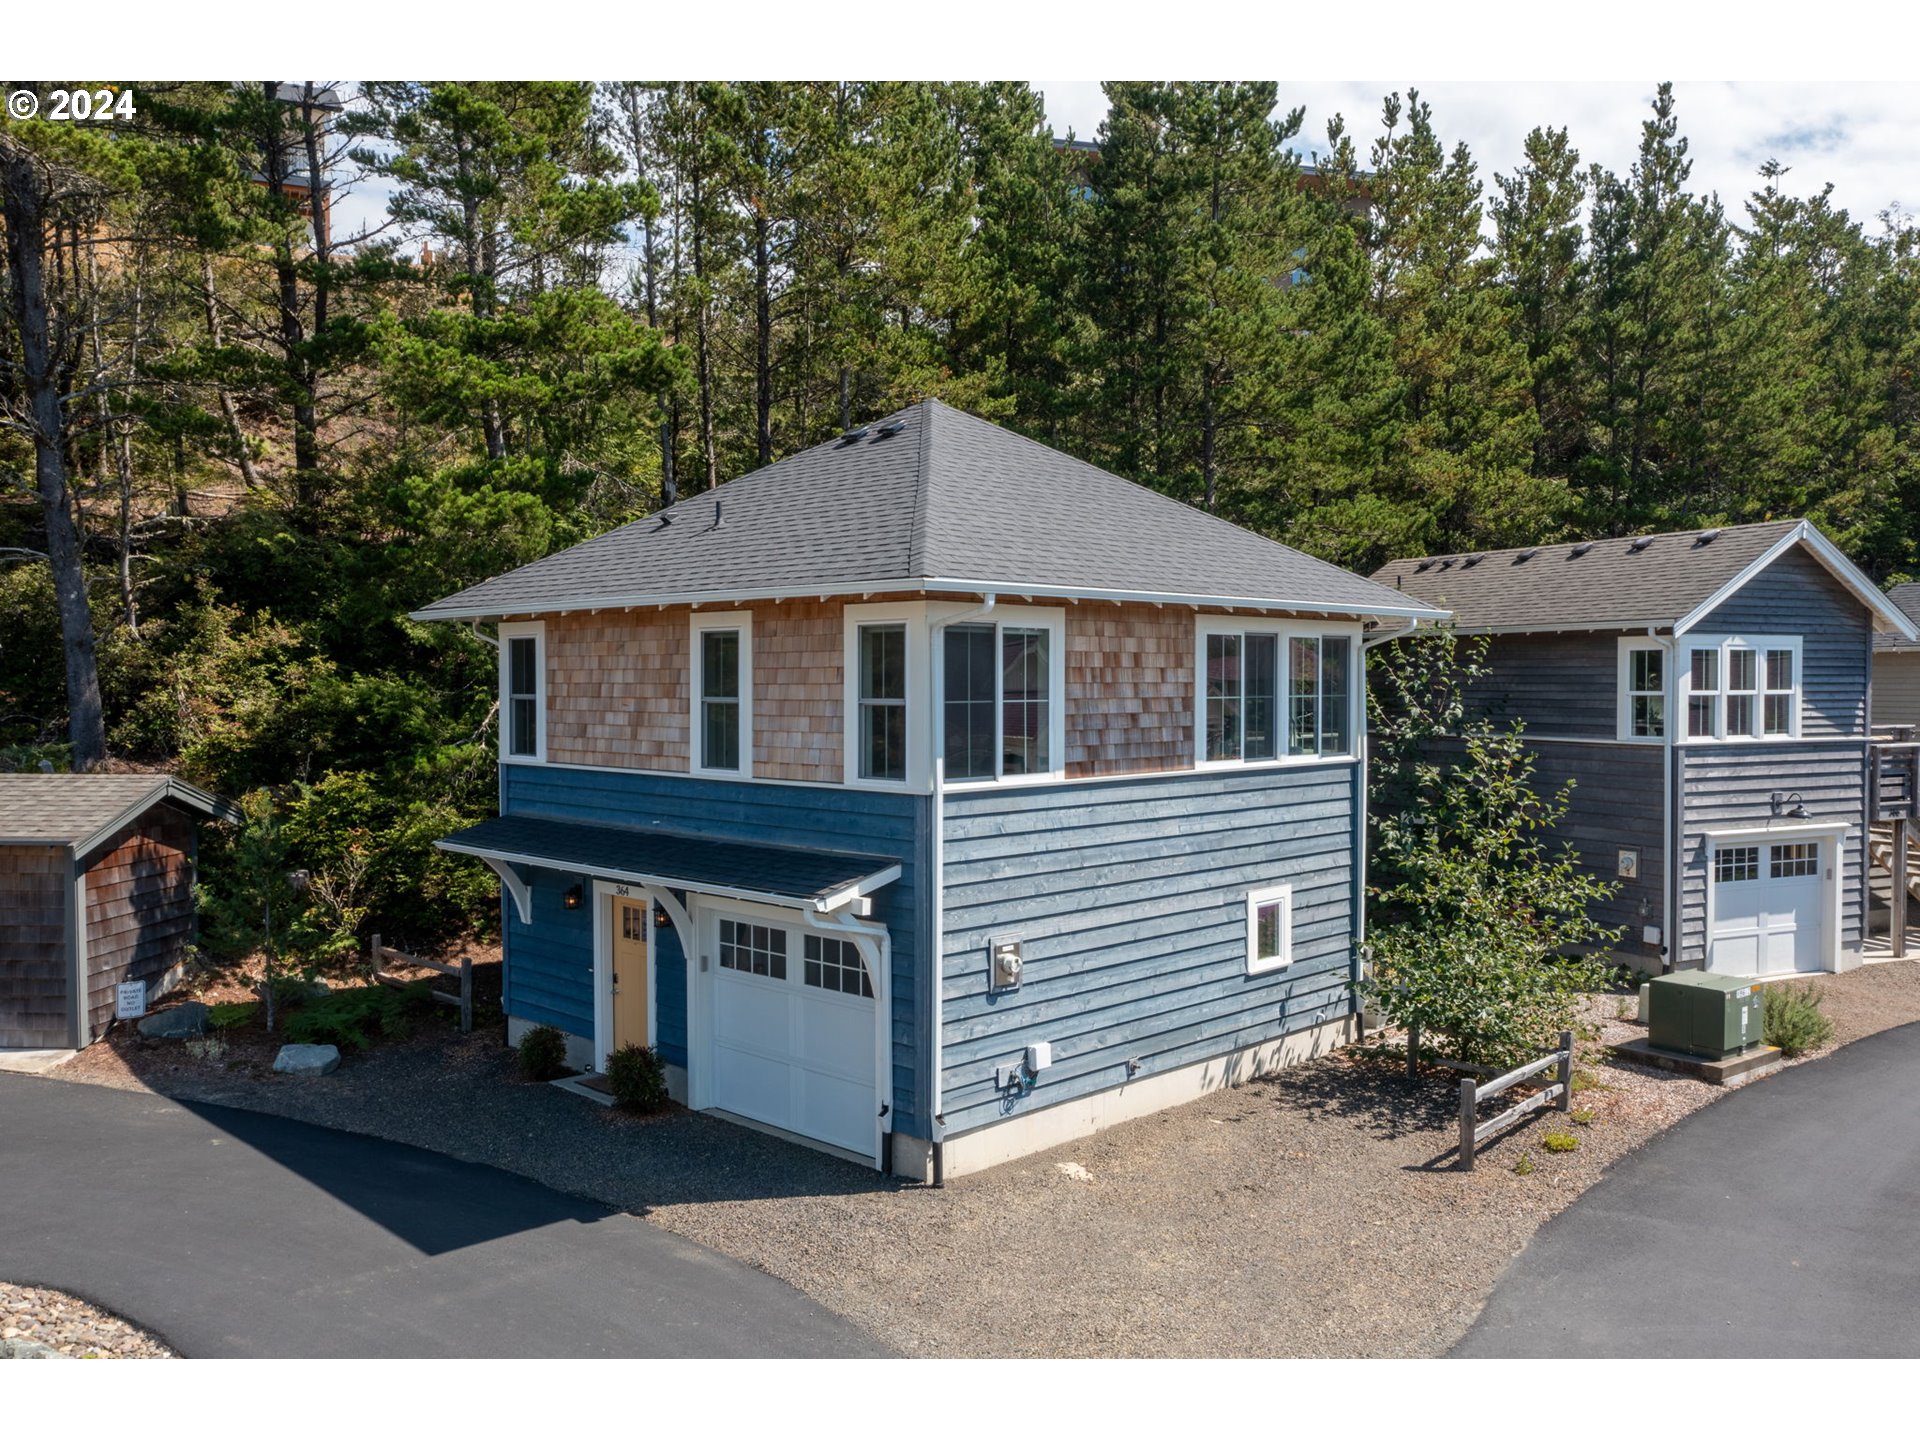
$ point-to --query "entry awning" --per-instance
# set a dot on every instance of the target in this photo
(819, 880)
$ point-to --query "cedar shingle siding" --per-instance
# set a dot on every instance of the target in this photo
(617, 689)
(797, 673)
(33, 947)
(1129, 690)
(140, 913)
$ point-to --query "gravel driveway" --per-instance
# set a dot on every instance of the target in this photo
(1315, 1213)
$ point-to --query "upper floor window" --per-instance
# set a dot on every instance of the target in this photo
(999, 699)
(523, 692)
(1643, 691)
(722, 689)
(882, 750)
(1268, 691)
(1742, 688)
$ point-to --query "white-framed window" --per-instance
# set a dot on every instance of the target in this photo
(1269, 929)
(1002, 683)
(523, 692)
(1274, 691)
(1739, 687)
(720, 666)
(1642, 690)
(885, 673)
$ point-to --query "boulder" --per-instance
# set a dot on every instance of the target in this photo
(307, 1060)
(176, 1022)
(28, 1350)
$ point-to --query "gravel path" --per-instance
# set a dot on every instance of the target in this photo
(1315, 1213)
(71, 1327)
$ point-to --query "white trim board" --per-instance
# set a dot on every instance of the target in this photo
(928, 586)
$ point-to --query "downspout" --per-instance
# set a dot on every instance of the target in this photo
(1668, 755)
(936, 752)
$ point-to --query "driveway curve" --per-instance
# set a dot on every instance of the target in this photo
(232, 1233)
(1783, 1220)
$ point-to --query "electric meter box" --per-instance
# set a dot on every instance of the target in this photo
(1698, 1013)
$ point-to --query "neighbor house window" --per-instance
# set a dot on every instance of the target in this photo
(523, 721)
(722, 649)
(882, 652)
(1271, 693)
(998, 698)
(1269, 928)
(1743, 688)
(1643, 690)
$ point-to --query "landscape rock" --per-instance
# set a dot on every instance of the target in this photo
(27, 1350)
(177, 1022)
(307, 1060)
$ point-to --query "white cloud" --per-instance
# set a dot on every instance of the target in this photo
(1859, 137)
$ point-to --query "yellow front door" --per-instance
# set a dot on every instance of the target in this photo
(629, 971)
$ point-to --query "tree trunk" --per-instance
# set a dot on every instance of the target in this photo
(229, 412)
(23, 195)
(293, 335)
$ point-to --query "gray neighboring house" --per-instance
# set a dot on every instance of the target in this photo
(1896, 666)
(1708, 692)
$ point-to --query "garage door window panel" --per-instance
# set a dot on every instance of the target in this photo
(753, 949)
(1736, 863)
(836, 965)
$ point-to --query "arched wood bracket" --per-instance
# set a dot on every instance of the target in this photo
(521, 892)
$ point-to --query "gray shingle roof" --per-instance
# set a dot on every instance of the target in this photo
(949, 502)
(78, 810)
(1906, 598)
(775, 872)
(1598, 583)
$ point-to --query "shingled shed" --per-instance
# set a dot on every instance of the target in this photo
(96, 889)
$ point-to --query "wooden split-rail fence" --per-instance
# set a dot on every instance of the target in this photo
(1474, 1132)
(463, 972)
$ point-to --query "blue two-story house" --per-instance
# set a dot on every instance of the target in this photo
(1709, 694)
(931, 796)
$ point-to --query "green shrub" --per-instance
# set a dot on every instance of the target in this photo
(1523, 1166)
(1581, 1117)
(350, 1018)
(233, 1015)
(1559, 1142)
(638, 1078)
(1793, 1019)
(542, 1054)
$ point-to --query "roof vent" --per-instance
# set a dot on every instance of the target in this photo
(1580, 549)
(1706, 537)
(716, 514)
(1526, 554)
(1447, 564)
(854, 437)
(890, 429)
(1471, 561)
(1635, 546)
(1423, 567)
(665, 520)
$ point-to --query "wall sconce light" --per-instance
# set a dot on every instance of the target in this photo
(1781, 803)
(661, 920)
(571, 900)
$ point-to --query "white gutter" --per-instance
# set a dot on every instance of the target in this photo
(1414, 610)
(937, 880)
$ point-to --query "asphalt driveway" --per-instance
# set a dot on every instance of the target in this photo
(1782, 1221)
(233, 1233)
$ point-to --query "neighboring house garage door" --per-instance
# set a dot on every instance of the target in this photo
(1767, 908)
(792, 1025)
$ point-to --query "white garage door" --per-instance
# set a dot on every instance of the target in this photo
(1767, 916)
(793, 1031)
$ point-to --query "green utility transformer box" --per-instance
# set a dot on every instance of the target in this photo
(1697, 1013)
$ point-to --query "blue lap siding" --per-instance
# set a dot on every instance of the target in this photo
(1129, 898)
(550, 963)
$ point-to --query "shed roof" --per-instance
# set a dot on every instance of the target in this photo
(775, 874)
(79, 811)
(1906, 599)
(1666, 581)
(928, 499)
